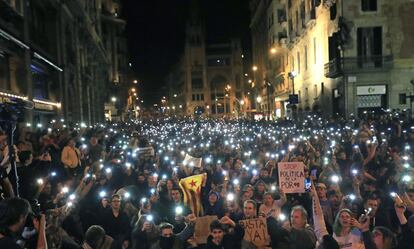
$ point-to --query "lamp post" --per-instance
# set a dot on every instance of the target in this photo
(292, 76)
(226, 94)
(268, 88)
(254, 68)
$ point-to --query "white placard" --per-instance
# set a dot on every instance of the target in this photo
(291, 177)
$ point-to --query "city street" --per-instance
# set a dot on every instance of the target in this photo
(251, 124)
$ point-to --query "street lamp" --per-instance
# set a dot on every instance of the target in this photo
(273, 50)
(259, 99)
(293, 100)
(254, 68)
(113, 99)
(135, 81)
(133, 89)
(292, 76)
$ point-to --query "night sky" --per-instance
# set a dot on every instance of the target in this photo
(156, 32)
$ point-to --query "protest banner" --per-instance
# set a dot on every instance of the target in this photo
(291, 177)
(145, 152)
(202, 228)
(192, 161)
(255, 231)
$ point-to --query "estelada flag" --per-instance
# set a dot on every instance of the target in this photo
(191, 187)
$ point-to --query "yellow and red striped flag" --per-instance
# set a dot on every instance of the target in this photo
(191, 187)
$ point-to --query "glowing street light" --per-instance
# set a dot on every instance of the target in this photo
(273, 50)
(135, 81)
(259, 99)
(254, 68)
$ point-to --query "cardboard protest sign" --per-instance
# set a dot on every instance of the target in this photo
(291, 177)
(192, 161)
(202, 228)
(145, 152)
(255, 231)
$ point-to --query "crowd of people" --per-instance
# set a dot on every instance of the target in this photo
(116, 185)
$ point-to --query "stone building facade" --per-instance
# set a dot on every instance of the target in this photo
(62, 55)
(208, 77)
(339, 57)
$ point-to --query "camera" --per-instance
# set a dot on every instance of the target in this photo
(35, 214)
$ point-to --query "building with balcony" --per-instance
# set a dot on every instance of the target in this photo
(346, 56)
(62, 55)
(208, 76)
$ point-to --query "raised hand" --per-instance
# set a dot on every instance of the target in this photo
(364, 222)
(227, 221)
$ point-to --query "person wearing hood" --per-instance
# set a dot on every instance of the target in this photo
(223, 238)
(169, 240)
(214, 205)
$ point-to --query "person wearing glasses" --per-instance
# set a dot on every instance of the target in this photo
(116, 223)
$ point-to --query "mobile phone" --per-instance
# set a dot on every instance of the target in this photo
(308, 184)
(314, 172)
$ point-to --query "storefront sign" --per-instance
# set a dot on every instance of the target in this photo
(371, 90)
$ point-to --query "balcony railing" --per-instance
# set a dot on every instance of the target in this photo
(333, 68)
(338, 66)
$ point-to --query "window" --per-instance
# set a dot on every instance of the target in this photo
(202, 97)
(281, 15)
(333, 11)
(403, 98)
(369, 5)
(194, 97)
(297, 21)
(197, 79)
(298, 55)
(306, 57)
(197, 83)
(322, 88)
(369, 41)
(292, 60)
(314, 50)
(303, 14)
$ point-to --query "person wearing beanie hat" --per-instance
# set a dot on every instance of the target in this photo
(260, 189)
(95, 238)
(247, 193)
